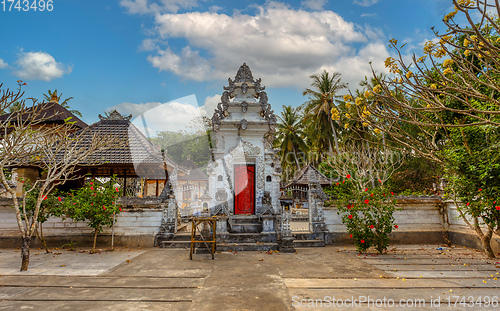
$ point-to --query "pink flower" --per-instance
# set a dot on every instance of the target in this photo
(92, 188)
(91, 183)
(348, 176)
(367, 201)
(350, 216)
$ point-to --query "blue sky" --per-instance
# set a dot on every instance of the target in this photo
(133, 55)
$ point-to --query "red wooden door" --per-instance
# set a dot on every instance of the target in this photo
(244, 186)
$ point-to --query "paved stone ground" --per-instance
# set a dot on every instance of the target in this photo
(165, 279)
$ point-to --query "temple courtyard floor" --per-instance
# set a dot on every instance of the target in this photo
(420, 277)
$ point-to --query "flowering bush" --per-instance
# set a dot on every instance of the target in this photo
(367, 214)
(95, 203)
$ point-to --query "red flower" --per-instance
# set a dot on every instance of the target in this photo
(337, 184)
(91, 188)
(59, 199)
(350, 216)
(19, 81)
(350, 235)
(92, 204)
(45, 197)
(467, 204)
(498, 208)
(117, 190)
(367, 201)
(379, 181)
(480, 189)
(24, 83)
(103, 207)
(120, 209)
(383, 194)
(371, 195)
(74, 203)
(362, 241)
(371, 227)
(349, 207)
(91, 183)
(396, 226)
(343, 181)
(392, 193)
(348, 176)
(366, 189)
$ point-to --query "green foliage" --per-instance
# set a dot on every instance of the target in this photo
(415, 175)
(51, 205)
(94, 203)
(367, 213)
(180, 145)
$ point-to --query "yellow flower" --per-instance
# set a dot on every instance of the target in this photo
(429, 47)
(347, 98)
(389, 62)
(409, 74)
(421, 59)
(359, 100)
(467, 53)
(473, 38)
(393, 41)
(376, 131)
(447, 62)
(450, 15)
(433, 86)
(348, 115)
(447, 37)
(466, 42)
(377, 88)
(365, 124)
(335, 114)
(440, 53)
(447, 71)
(368, 94)
(346, 126)
(348, 105)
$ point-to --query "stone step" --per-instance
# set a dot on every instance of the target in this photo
(175, 244)
(245, 228)
(247, 238)
(308, 243)
(241, 247)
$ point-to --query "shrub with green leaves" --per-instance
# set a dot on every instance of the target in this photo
(95, 203)
(367, 214)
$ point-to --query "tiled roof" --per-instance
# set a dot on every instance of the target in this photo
(52, 113)
(137, 149)
(195, 174)
(307, 174)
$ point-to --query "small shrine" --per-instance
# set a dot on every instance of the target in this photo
(244, 176)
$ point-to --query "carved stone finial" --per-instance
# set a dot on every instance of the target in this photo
(244, 74)
(115, 116)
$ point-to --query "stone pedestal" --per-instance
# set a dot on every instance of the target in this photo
(268, 224)
(286, 245)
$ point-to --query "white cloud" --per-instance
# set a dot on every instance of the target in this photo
(316, 5)
(161, 6)
(154, 116)
(39, 66)
(3, 64)
(366, 3)
(281, 45)
(210, 105)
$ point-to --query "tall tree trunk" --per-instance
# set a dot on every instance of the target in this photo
(25, 253)
(296, 159)
(334, 134)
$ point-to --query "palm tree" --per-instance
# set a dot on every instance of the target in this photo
(64, 103)
(317, 110)
(290, 137)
